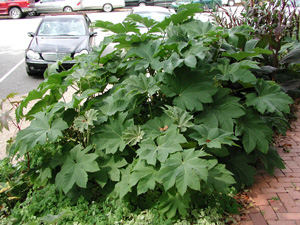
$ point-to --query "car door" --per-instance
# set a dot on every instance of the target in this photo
(92, 4)
(131, 2)
(44, 6)
(3, 6)
(58, 5)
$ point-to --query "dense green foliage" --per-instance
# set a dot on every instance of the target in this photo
(276, 26)
(169, 117)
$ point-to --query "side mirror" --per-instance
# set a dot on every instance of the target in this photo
(93, 34)
(30, 34)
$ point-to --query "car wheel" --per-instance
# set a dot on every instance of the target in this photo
(24, 15)
(231, 2)
(142, 4)
(68, 9)
(107, 7)
(15, 13)
(33, 73)
(30, 73)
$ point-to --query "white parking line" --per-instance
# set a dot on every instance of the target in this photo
(12, 70)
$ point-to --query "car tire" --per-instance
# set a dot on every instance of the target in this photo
(32, 73)
(107, 7)
(24, 15)
(15, 13)
(142, 4)
(68, 9)
(231, 2)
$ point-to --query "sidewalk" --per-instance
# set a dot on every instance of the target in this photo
(277, 198)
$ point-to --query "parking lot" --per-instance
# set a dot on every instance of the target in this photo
(13, 42)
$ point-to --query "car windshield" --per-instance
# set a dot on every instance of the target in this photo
(62, 28)
(157, 16)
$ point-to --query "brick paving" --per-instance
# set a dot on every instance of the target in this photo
(277, 198)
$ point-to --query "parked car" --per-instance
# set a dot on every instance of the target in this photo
(156, 13)
(152, 12)
(16, 9)
(208, 4)
(138, 2)
(163, 3)
(48, 6)
(105, 5)
(57, 37)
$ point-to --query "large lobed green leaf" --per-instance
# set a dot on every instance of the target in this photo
(116, 102)
(159, 149)
(41, 130)
(212, 137)
(75, 168)
(185, 169)
(189, 89)
(109, 136)
(144, 175)
(142, 84)
(221, 112)
(220, 179)
(256, 134)
(269, 98)
(236, 72)
(149, 53)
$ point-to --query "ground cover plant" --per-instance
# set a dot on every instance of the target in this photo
(169, 120)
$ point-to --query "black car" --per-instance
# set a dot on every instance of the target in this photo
(57, 37)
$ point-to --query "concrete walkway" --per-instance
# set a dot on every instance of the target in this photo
(277, 198)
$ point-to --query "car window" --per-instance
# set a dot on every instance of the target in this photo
(61, 28)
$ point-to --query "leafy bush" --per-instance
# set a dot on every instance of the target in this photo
(176, 111)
